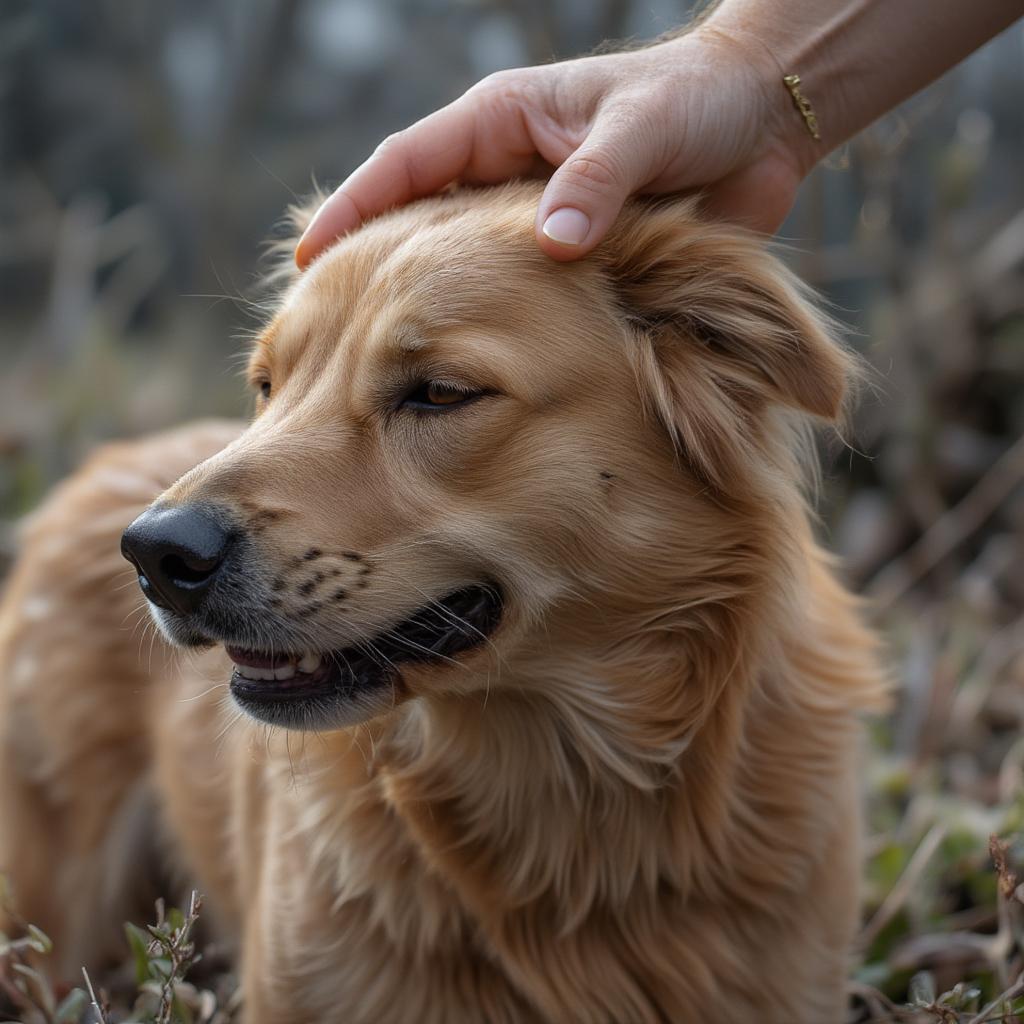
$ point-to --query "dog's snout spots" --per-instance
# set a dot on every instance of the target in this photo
(318, 577)
(312, 582)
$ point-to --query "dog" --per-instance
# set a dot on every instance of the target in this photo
(499, 676)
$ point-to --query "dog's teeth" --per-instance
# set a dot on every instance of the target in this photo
(284, 672)
(310, 663)
(248, 672)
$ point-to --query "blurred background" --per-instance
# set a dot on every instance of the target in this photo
(147, 151)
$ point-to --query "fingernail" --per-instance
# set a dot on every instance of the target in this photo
(302, 247)
(567, 226)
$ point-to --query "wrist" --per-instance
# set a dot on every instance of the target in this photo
(783, 130)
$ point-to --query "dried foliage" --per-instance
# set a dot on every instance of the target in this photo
(162, 957)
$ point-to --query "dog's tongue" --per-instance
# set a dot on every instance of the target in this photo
(256, 659)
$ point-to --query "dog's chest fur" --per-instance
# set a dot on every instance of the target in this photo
(432, 865)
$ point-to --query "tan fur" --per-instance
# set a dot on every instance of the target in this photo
(639, 801)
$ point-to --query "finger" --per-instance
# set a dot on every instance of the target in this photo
(587, 192)
(482, 137)
(413, 163)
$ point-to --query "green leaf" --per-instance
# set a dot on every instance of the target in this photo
(160, 967)
(138, 941)
(960, 997)
(180, 1012)
(71, 1007)
(875, 974)
(922, 988)
(888, 865)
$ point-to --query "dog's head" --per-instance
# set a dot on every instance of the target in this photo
(461, 447)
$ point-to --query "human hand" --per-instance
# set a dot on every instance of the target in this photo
(706, 110)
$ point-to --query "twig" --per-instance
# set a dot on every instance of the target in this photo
(178, 948)
(1007, 905)
(879, 1005)
(1000, 648)
(1016, 989)
(100, 1013)
(901, 890)
(951, 529)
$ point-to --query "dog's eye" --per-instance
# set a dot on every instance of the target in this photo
(264, 389)
(437, 395)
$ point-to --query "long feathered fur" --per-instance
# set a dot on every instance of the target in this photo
(638, 803)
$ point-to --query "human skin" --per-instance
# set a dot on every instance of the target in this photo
(705, 110)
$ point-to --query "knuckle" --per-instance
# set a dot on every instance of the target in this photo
(500, 86)
(594, 172)
(389, 143)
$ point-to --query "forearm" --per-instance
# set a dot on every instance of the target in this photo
(703, 108)
(857, 59)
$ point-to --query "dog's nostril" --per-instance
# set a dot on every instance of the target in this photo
(188, 570)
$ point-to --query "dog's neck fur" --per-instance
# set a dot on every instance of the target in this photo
(464, 772)
(646, 750)
(647, 738)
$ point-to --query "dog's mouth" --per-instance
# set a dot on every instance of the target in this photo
(308, 690)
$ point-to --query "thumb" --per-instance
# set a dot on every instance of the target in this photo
(585, 194)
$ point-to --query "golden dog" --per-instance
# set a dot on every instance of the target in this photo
(516, 561)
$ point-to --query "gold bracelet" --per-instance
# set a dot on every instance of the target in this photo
(803, 104)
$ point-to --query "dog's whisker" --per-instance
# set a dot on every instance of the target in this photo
(232, 720)
(291, 763)
(139, 610)
(200, 696)
(459, 621)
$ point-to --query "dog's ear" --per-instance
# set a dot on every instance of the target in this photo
(724, 330)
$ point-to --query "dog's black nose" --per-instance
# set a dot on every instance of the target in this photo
(177, 552)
